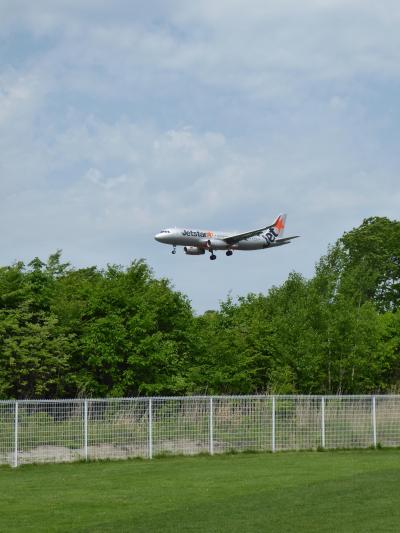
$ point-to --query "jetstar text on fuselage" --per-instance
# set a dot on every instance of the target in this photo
(192, 233)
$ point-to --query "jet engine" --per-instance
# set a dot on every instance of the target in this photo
(216, 244)
(193, 250)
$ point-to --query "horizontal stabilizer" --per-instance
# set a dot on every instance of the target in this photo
(286, 240)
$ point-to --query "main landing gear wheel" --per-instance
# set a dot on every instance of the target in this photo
(229, 252)
(213, 257)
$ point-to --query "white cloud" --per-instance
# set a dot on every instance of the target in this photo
(163, 176)
(264, 48)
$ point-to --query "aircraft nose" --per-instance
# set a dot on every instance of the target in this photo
(161, 237)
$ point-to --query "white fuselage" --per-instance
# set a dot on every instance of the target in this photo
(209, 239)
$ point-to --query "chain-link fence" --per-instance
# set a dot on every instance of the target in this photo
(69, 430)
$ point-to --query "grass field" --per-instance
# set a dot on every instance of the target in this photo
(354, 491)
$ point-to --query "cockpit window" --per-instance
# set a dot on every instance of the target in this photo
(165, 231)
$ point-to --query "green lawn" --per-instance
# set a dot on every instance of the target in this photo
(355, 491)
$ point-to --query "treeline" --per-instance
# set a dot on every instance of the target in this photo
(68, 332)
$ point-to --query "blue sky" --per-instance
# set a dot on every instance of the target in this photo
(118, 119)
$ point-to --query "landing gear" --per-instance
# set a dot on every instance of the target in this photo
(229, 252)
(173, 250)
(213, 257)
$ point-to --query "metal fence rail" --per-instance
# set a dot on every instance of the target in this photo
(36, 431)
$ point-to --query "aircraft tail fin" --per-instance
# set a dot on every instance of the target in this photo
(279, 225)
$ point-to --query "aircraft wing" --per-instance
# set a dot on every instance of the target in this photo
(233, 239)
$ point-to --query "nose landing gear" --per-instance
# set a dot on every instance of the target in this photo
(173, 250)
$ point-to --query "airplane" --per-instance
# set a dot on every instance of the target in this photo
(197, 242)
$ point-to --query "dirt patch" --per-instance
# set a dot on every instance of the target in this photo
(49, 454)
(63, 454)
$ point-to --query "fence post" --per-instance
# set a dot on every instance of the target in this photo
(85, 429)
(322, 422)
(273, 424)
(15, 462)
(211, 427)
(150, 422)
(374, 420)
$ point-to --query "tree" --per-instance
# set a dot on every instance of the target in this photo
(132, 333)
(364, 264)
(34, 356)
